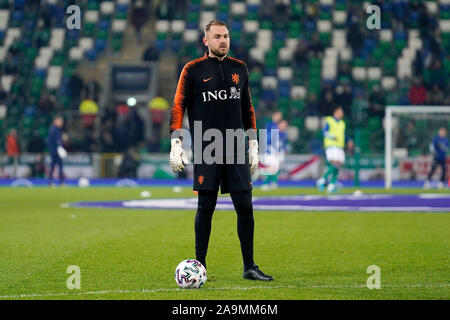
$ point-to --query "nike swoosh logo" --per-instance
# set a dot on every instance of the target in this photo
(206, 80)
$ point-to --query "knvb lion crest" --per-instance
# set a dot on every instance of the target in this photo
(200, 179)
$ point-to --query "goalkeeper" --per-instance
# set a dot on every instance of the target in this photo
(214, 91)
(439, 148)
(334, 143)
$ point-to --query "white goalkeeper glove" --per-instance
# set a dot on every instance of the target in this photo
(253, 155)
(178, 157)
(62, 153)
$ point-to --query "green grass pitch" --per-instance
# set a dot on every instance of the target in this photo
(132, 254)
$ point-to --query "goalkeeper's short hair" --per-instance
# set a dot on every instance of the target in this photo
(214, 23)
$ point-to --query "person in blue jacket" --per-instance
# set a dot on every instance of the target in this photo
(55, 148)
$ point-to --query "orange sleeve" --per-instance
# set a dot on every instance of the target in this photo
(181, 100)
(248, 112)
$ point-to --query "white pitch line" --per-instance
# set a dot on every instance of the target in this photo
(400, 286)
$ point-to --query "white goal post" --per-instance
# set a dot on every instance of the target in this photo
(391, 111)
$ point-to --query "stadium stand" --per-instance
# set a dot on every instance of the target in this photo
(303, 57)
(39, 55)
(301, 54)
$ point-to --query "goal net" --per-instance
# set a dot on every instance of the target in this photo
(409, 132)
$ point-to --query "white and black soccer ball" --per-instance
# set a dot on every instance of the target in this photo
(190, 274)
(83, 182)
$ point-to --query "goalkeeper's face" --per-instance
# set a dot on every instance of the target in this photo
(218, 41)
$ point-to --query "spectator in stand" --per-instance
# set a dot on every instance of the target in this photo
(436, 96)
(45, 15)
(281, 10)
(121, 131)
(130, 163)
(75, 87)
(92, 90)
(36, 143)
(354, 34)
(89, 111)
(312, 106)
(407, 138)
(138, 18)
(417, 93)
(300, 55)
(423, 21)
(3, 94)
(166, 9)
(89, 142)
(436, 74)
(46, 103)
(150, 54)
(418, 64)
(327, 101)
(11, 65)
(107, 136)
(446, 101)
(12, 150)
(360, 108)
(266, 9)
(345, 71)
(136, 127)
(315, 47)
(344, 97)
(435, 45)
(376, 102)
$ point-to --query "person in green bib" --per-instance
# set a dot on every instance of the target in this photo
(334, 144)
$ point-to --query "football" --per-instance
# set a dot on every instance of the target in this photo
(83, 182)
(190, 274)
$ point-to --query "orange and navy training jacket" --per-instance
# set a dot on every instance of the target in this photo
(215, 93)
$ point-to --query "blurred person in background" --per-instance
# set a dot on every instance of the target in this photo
(130, 163)
(159, 109)
(344, 97)
(312, 105)
(376, 102)
(56, 149)
(36, 144)
(417, 93)
(12, 150)
(327, 100)
(75, 88)
(46, 103)
(89, 111)
(436, 96)
(439, 147)
(334, 141)
(37, 168)
(91, 90)
(275, 154)
(150, 54)
(2, 94)
(138, 18)
(407, 137)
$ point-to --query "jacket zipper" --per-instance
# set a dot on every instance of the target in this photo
(221, 72)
